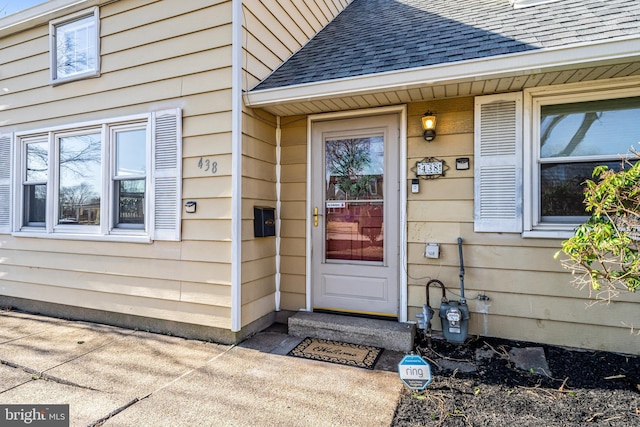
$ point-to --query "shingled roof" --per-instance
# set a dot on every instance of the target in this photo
(376, 36)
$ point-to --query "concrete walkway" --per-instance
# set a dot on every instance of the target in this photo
(118, 377)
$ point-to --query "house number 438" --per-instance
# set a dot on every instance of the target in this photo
(208, 165)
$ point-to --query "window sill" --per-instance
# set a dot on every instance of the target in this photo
(84, 76)
(125, 238)
(547, 234)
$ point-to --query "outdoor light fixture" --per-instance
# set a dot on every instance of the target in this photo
(429, 126)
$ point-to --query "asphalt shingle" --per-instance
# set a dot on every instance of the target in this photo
(375, 36)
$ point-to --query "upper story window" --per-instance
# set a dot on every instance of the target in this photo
(75, 46)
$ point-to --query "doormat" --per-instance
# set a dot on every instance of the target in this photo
(362, 356)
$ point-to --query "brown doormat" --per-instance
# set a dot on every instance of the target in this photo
(362, 356)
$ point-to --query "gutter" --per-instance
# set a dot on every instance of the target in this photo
(236, 161)
(278, 276)
(521, 63)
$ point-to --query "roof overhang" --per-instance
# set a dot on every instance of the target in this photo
(534, 64)
(43, 13)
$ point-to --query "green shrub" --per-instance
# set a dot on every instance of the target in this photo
(604, 250)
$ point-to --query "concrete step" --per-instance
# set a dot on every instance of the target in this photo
(388, 334)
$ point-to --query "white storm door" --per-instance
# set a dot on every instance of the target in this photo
(355, 215)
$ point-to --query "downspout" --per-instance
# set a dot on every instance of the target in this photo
(278, 205)
(236, 161)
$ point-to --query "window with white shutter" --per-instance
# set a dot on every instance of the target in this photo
(498, 163)
(167, 172)
(5, 183)
(117, 179)
(572, 133)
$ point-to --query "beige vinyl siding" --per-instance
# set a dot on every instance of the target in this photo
(531, 296)
(155, 55)
(258, 189)
(273, 30)
(293, 212)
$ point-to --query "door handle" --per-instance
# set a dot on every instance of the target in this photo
(315, 216)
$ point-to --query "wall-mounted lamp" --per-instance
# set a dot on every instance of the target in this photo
(190, 206)
(429, 126)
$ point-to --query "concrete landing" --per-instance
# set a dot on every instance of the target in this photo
(388, 334)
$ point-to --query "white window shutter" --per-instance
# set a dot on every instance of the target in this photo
(167, 174)
(498, 163)
(5, 183)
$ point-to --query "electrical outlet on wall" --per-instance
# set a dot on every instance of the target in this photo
(432, 250)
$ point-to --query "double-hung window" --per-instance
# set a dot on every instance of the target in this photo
(572, 136)
(75, 46)
(36, 173)
(129, 177)
(109, 180)
(531, 161)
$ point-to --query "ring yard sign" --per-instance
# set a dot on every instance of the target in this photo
(414, 372)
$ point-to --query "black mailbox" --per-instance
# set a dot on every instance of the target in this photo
(264, 221)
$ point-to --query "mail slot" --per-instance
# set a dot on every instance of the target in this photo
(264, 221)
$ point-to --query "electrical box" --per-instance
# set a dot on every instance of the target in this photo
(264, 221)
(432, 250)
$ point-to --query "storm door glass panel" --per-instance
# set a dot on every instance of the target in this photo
(80, 188)
(354, 199)
(130, 178)
(35, 186)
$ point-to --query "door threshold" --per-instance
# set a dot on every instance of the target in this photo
(378, 316)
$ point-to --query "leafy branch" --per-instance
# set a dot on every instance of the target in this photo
(604, 251)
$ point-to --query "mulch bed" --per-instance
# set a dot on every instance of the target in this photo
(584, 388)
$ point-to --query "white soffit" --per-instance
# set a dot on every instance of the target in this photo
(511, 65)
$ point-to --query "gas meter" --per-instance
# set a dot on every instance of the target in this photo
(453, 314)
(455, 320)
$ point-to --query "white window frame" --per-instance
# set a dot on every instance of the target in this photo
(53, 50)
(163, 129)
(535, 98)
